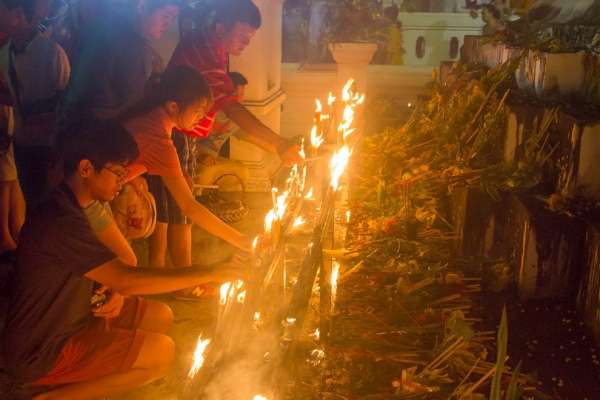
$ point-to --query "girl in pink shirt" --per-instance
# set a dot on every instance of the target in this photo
(178, 101)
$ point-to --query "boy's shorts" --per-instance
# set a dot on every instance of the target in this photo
(96, 351)
(167, 210)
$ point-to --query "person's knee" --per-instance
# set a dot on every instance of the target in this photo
(157, 354)
(164, 316)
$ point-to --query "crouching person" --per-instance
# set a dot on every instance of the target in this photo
(76, 328)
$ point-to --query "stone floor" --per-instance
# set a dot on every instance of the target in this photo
(191, 318)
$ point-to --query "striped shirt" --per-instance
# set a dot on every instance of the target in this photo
(204, 52)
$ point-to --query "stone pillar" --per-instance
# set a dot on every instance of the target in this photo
(261, 64)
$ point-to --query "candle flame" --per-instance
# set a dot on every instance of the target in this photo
(201, 346)
(335, 271)
(338, 164)
(255, 243)
(224, 293)
(316, 139)
(298, 222)
(309, 195)
(269, 219)
(259, 397)
(346, 91)
(319, 106)
(348, 215)
(316, 334)
(257, 316)
(330, 99)
(241, 297)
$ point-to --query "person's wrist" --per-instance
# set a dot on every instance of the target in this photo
(283, 146)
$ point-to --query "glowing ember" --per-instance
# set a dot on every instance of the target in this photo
(257, 316)
(290, 321)
(198, 356)
(259, 397)
(338, 164)
(298, 222)
(335, 271)
(319, 106)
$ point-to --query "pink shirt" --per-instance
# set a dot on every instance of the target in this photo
(152, 132)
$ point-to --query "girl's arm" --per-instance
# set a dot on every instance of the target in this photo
(201, 216)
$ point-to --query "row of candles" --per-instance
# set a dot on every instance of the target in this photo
(322, 129)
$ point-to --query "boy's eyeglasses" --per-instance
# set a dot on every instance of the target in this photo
(121, 174)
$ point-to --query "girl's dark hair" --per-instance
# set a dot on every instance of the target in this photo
(238, 79)
(180, 84)
(228, 12)
(101, 142)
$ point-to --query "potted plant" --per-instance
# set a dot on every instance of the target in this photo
(354, 29)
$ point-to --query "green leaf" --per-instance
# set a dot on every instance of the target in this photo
(513, 391)
(502, 344)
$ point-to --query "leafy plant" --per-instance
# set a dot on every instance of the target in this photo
(355, 21)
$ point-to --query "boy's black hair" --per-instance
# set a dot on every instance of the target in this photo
(181, 84)
(238, 79)
(101, 142)
(228, 12)
(28, 6)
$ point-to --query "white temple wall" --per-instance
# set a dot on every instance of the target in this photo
(302, 86)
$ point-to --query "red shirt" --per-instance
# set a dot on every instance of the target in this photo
(205, 52)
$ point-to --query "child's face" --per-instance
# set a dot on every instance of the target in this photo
(107, 181)
(159, 21)
(240, 92)
(189, 116)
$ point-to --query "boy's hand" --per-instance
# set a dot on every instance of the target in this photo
(208, 160)
(291, 155)
(113, 305)
(230, 271)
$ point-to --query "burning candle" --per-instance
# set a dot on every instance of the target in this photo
(198, 362)
(335, 271)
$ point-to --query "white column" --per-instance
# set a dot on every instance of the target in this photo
(261, 64)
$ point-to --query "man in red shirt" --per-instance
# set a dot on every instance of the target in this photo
(207, 50)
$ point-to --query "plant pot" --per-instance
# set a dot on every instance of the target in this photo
(559, 73)
(547, 253)
(588, 299)
(491, 54)
(510, 53)
(352, 53)
(470, 51)
(579, 162)
(525, 73)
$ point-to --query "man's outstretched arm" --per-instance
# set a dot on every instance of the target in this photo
(261, 135)
(145, 281)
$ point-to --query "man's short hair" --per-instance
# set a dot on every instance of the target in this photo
(230, 12)
(28, 6)
(238, 79)
(100, 142)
